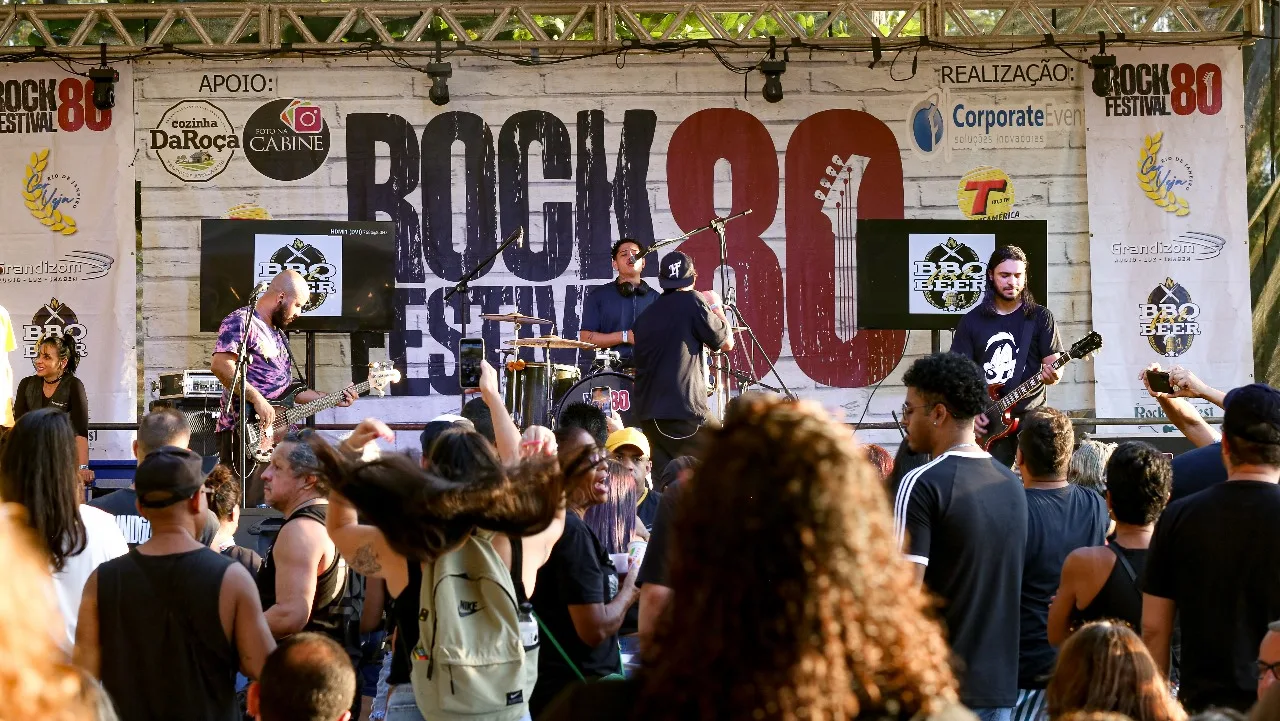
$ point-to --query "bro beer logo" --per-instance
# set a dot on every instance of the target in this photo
(951, 276)
(1168, 319)
(53, 320)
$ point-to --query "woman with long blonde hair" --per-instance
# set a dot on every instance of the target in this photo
(791, 598)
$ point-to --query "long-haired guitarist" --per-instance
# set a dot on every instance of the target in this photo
(270, 364)
(1011, 337)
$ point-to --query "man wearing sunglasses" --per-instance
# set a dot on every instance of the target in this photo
(610, 310)
(1268, 663)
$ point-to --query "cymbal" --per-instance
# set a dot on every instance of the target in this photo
(514, 318)
(551, 341)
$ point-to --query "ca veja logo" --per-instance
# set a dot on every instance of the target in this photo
(42, 199)
(1158, 178)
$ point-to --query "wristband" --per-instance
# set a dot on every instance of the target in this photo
(82, 468)
(625, 334)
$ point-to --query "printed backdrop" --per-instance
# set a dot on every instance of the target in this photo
(67, 260)
(586, 152)
(1167, 210)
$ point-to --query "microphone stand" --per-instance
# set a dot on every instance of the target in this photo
(731, 301)
(239, 381)
(463, 285)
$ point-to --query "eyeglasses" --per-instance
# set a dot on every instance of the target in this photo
(907, 409)
(1262, 668)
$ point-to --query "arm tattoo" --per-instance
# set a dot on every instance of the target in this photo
(366, 561)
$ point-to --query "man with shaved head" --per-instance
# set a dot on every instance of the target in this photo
(270, 365)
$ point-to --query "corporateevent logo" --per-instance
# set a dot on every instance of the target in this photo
(54, 320)
(939, 121)
(1168, 319)
(1150, 89)
(986, 193)
(1164, 178)
(947, 272)
(317, 257)
(50, 197)
(74, 266)
(194, 141)
(286, 139)
(1187, 246)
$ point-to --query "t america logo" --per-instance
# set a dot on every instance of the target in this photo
(1168, 319)
(54, 319)
(1144, 89)
(951, 277)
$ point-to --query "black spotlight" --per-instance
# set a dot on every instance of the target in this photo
(439, 74)
(772, 68)
(104, 82)
(1103, 68)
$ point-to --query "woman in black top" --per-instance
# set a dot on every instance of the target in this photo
(793, 598)
(56, 385)
(1102, 582)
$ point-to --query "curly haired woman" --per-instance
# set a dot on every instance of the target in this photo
(792, 599)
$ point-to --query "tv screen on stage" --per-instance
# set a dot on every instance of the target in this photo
(926, 274)
(349, 267)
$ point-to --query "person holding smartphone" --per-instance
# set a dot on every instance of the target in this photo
(610, 311)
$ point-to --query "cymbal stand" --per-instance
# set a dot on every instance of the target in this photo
(731, 303)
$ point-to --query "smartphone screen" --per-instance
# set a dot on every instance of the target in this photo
(1159, 381)
(470, 354)
(600, 399)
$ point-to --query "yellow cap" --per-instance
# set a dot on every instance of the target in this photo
(627, 437)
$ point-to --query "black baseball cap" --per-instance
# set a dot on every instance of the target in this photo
(167, 476)
(1253, 413)
(675, 271)
(644, 249)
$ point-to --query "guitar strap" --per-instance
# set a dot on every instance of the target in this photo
(293, 364)
(1024, 347)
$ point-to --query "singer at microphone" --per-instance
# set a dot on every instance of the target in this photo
(610, 310)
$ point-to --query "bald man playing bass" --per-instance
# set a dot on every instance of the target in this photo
(270, 366)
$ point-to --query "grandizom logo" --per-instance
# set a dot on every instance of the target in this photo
(53, 320)
(951, 277)
(1168, 319)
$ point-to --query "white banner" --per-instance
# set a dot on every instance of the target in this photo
(1167, 214)
(67, 263)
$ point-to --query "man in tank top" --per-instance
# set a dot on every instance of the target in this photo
(172, 609)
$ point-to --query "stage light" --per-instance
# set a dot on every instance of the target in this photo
(104, 82)
(1102, 65)
(439, 74)
(772, 68)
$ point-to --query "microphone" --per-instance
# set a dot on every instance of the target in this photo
(259, 290)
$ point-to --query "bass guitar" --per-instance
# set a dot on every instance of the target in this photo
(261, 440)
(1000, 422)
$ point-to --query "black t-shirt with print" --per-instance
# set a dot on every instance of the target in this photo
(671, 335)
(1216, 554)
(992, 342)
(575, 574)
(963, 516)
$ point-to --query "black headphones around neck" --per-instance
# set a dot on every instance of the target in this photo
(626, 290)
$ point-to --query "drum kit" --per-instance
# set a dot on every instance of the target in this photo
(539, 393)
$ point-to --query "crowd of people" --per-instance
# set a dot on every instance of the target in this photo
(783, 571)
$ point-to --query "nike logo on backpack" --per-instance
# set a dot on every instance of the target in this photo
(468, 608)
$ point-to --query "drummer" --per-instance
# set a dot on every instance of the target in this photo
(610, 310)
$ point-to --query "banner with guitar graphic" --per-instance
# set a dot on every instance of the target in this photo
(67, 263)
(1167, 214)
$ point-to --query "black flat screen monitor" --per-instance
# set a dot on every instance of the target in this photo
(926, 274)
(349, 266)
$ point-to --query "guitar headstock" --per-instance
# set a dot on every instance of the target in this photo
(1086, 346)
(838, 189)
(382, 375)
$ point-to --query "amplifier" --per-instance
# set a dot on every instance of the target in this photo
(189, 384)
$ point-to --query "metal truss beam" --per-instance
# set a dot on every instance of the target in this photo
(576, 27)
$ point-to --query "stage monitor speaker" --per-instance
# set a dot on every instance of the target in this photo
(202, 419)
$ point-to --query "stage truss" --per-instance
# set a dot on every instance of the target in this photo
(560, 28)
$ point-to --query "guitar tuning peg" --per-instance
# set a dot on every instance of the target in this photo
(832, 171)
(836, 159)
(825, 183)
(820, 195)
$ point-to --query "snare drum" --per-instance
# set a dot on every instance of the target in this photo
(620, 386)
(526, 390)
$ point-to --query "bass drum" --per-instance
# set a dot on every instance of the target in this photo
(526, 391)
(620, 386)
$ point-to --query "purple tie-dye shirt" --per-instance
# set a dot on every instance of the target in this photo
(269, 369)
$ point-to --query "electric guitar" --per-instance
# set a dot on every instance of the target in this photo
(261, 440)
(1000, 423)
